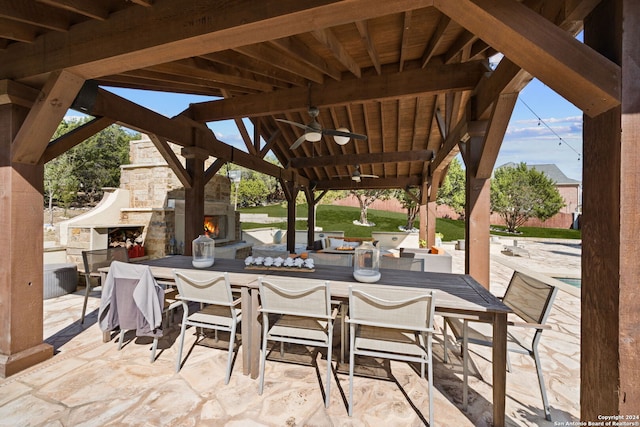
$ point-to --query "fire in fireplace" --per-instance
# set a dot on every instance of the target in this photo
(215, 226)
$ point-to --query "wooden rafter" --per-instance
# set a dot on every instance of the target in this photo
(273, 56)
(91, 9)
(370, 158)
(433, 79)
(45, 115)
(331, 42)
(363, 29)
(584, 77)
(37, 15)
(435, 40)
(163, 147)
(301, 52)
(74, 137)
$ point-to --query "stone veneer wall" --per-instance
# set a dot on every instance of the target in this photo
(152, 186)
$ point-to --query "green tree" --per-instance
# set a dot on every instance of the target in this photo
(409, 202)
(251, 192)
(366, 198)
(452, 191)
(519, 193)
(89, 166)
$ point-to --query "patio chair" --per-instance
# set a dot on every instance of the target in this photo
(403, 263)
(303, 316)
(531, 301)
(320, 258)
(392, 323)
(95, 259)
(218, 310)
(132, 300)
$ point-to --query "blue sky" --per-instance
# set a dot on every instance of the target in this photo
(544, 128)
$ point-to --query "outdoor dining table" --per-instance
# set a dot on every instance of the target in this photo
(457, 295)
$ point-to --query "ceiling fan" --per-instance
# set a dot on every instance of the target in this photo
(313, 131)
(357, 175)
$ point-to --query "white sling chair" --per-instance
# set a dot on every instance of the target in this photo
(392, 323)
(304, 316)
(218, 310)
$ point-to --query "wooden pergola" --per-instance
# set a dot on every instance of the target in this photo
(411, 75)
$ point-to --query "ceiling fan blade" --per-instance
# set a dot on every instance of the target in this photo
(300, 125)
(334, 132)
(363, 175)
(298, 142)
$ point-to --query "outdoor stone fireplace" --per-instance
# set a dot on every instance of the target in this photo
(150, 203)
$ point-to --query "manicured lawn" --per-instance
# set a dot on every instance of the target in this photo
(340, 218)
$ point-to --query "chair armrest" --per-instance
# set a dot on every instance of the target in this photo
(334, 313)
(528, 325)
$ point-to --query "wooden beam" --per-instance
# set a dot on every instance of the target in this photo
(163, 147)
(45, 115)
(363, 29)
(354, 159)
(368, 183)
(180, 130)
(433, 79)
(435, 40)
(17, 31)
(301, 52)
(35, 14)
(273, 57)
(18, 94)
(198, 27)
(578, 73)
(502, 109)
(92, 9)
(74, 137)
(406, 31)
(331, 42)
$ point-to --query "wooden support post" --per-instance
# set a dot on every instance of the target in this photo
(431, 224)
(610, 362)
(21, 280)
(194, 196)
(477, 212)
(291, 217)
(311, 216)
(424, 223)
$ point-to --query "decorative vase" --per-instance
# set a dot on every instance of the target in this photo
(366, 263)
(203, 251)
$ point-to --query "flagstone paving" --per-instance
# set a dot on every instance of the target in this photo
(91, 383)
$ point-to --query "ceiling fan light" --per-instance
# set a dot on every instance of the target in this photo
(341, 140)
(313, 136)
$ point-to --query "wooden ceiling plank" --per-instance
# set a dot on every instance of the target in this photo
(274, 57)
(91, 9)
(163, 147)
(17, 31)
(363, 159)
(172, 80)
(435, 40)
(35, 14)
(363, 29)
(301, 52)
(433, 79)
(404, 45)
(190, 67)
(198, 27)
(232, 59)
(47, 112)
(581, 75)
(160, 85)
(74, 137)
(331, 42)
(494, 135)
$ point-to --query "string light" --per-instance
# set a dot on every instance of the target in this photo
(541, 121)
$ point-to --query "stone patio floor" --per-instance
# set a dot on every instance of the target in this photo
(91, 383)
